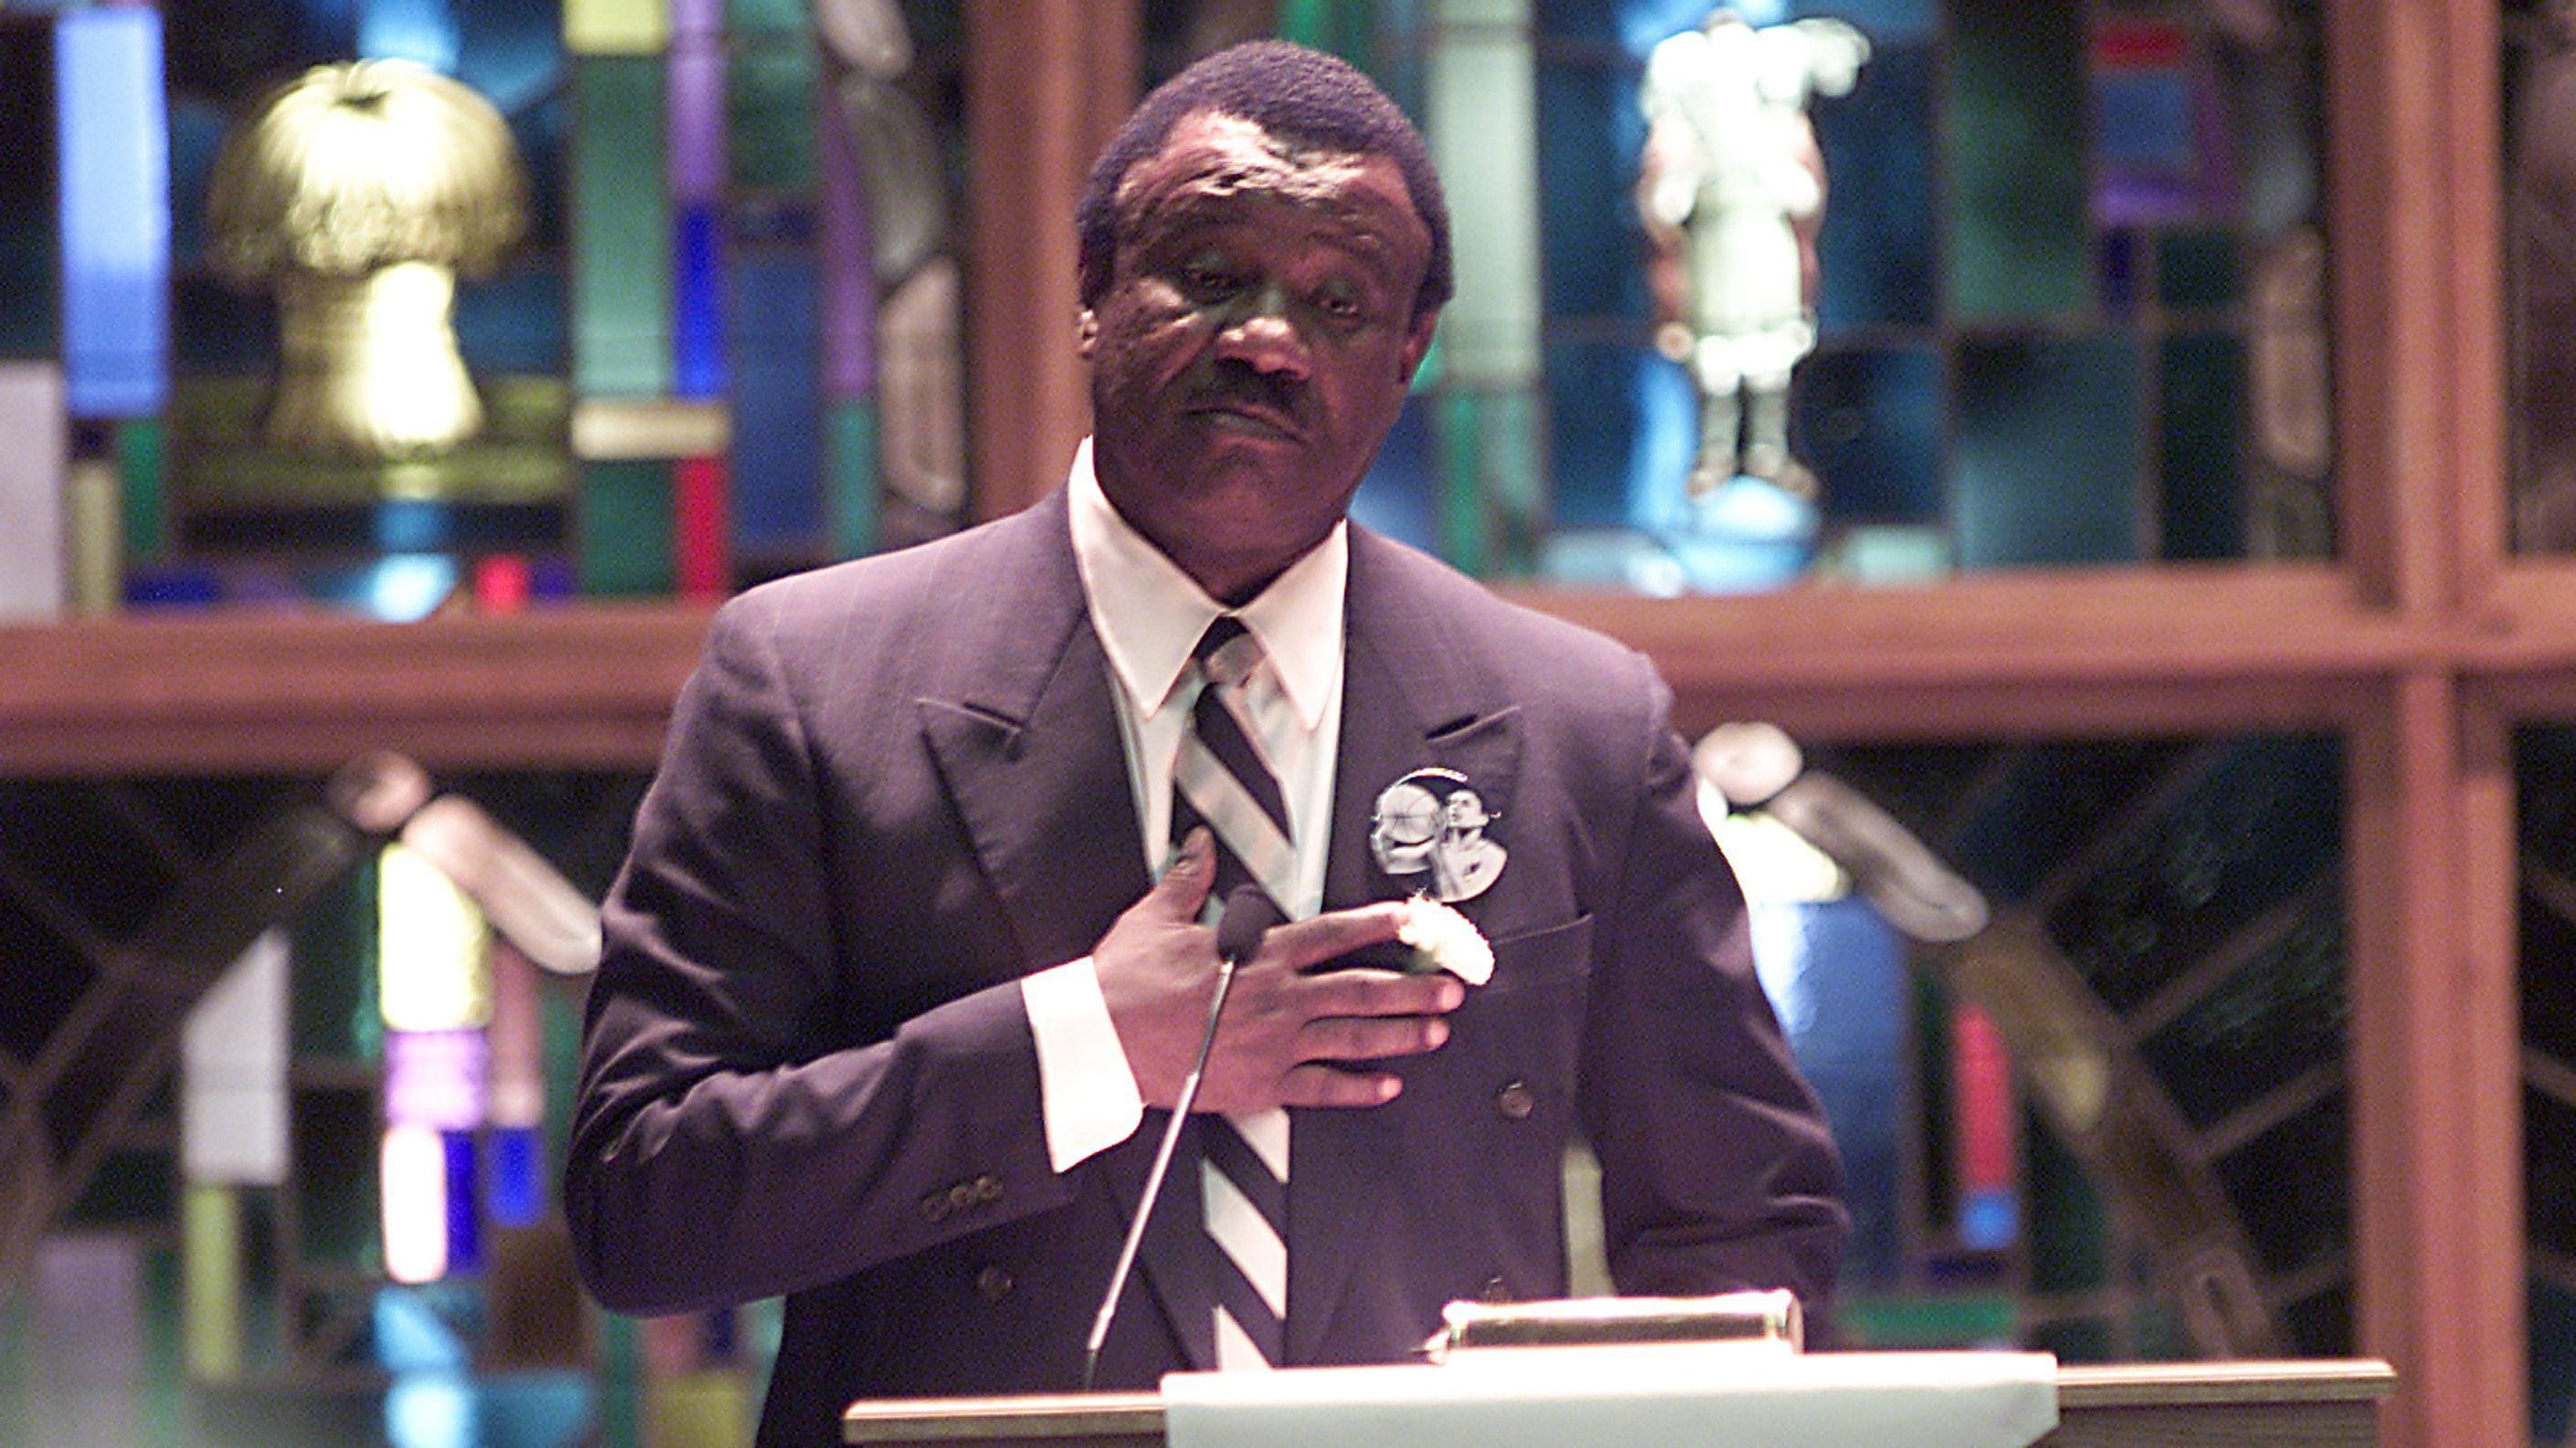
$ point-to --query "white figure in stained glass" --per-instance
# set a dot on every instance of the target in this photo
(1732, 189)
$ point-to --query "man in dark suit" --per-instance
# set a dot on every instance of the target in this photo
(900, 974)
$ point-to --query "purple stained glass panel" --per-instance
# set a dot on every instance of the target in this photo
(435, 1078)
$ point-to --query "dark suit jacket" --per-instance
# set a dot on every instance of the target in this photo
(894, 787)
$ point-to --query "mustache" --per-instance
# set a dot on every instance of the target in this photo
(1230, 381)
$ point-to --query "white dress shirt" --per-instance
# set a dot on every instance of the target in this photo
(1149, 616)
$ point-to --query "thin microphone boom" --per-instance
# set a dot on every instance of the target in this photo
(1249, 912)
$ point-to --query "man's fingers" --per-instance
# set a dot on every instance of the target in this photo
(1327, 1086)
(1370, 1038)
(1376, 993)
(1335, 933)
(1183, 890)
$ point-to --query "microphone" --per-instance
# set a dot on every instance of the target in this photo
(1248, 914)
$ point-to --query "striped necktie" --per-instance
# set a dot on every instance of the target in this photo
(1220, 779)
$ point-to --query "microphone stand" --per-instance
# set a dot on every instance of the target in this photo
(1249, 913)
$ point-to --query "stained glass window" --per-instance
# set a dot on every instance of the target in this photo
(2067, 299)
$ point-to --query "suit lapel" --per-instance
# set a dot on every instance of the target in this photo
(1409, 701)
(1025, 732)
(1026, 736)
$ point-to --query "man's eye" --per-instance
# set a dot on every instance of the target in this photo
(1343, 301)
(1340, 305)
(1206, 282)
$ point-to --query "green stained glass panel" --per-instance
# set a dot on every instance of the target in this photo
(621, 230)
(2083, 1341)
(769, 90)
(335, 1135)
(141, 457)
(851, 481)
(787, 17)
(30, 254)
(1344, 27)
(2046, 460)
(2201, 443)
(2196, 269)
(1463, 539)
(332, 999)
(2069, 1231)
(625, 547)
(2019, 241)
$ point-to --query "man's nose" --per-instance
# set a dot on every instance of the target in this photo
(1261, 329)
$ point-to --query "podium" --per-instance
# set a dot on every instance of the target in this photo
(2289, 1404)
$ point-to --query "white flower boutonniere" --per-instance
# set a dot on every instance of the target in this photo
(1443, 939)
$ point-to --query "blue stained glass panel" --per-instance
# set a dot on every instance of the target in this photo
(1592, 394)
(114, 185)
(2142, 119)
(1641, 25)
(777, 423)
(464, 1202)
(514, 323)
(697, 300)
(1876, 253)
(2122, 252)
(1664, 407)
(196, 134)
(2552, 1314)
(510, 50)
(1590, 19)
(1888, 22)
(542, 131)
(1836, 973)
(1400, 497)
(2047, 453)
(514, 1187)
(424, 31)
(1593, 249)
(1869, 424)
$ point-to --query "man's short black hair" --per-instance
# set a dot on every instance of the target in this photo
(1294, 93)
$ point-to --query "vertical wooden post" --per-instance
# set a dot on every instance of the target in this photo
(2435, 1060)
(1047, 81)
(2436, 1100)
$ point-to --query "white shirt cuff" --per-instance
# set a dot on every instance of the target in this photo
(1087, 1091)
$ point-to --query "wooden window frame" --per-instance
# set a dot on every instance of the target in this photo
(2423, 643)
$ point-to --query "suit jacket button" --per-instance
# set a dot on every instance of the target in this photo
(988, 1189)
(994, 1283)
(934, 1208)
(1516, 1101)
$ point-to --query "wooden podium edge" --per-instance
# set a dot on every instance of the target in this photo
(1127, 1419)
(2327, 1380)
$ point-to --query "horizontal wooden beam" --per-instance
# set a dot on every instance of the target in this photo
(2004, 656)
(259, 691)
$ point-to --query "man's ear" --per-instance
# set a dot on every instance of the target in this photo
(1086, 332)
(1417, 342)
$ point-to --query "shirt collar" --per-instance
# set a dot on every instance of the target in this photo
(1149, 614)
